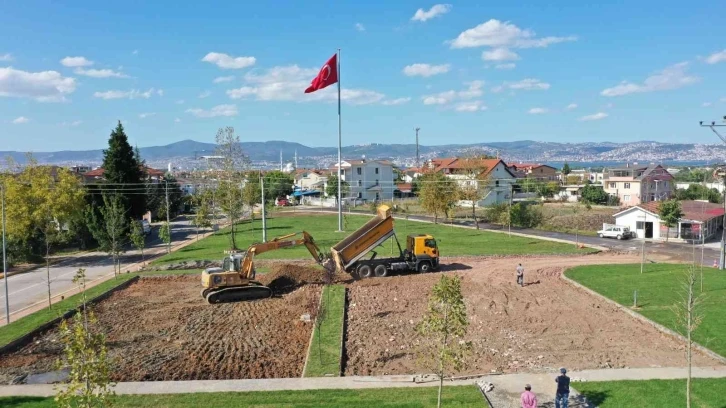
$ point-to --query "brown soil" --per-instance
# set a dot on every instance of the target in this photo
(545, 325)
(160, 328)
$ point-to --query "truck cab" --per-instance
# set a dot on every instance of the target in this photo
(422, 247)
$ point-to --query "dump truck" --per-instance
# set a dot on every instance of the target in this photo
(420, 255)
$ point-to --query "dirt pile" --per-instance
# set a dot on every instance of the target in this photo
(286, 277)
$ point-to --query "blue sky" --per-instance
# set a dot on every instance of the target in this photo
(488, 71)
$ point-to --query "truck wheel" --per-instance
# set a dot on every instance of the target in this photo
(424, 267)
(380, 271)
(365, 271)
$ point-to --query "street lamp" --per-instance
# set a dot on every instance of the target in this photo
(721, 173)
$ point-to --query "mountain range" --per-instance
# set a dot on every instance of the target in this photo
(268, 153)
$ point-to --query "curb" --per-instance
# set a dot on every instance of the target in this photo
(312, 334)
(644, 319)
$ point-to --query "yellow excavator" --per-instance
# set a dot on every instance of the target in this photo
(235, 280)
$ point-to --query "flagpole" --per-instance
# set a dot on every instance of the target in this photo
(340, 148)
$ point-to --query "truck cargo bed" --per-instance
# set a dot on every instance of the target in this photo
(363, 240)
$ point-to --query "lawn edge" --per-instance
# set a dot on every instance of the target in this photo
(642, 318)
(342, 337)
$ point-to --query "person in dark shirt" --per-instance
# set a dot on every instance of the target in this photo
(563, 389)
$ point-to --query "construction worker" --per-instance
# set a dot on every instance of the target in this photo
(563, 389)
(520, 275)
(528, 399)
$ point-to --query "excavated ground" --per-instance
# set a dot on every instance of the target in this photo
(160, 328)
(545, 325)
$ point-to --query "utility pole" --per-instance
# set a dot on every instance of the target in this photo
(642, 249)
(721, 172)
(5, 264)
(168, 224)
(264, 218)
(418, 158)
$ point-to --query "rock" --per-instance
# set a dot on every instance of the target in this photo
(305, 317)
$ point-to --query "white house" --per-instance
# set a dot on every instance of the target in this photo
(499, 178)
(307, 179)
(368, 180)
(701, 220)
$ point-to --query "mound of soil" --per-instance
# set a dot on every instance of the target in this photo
(286, 277)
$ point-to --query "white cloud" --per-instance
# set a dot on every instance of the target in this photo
(180, 102)
(474, 90)
(73, 124)
(472, 106)
(204, 94)
(6, 58)
(130, 94)
(135, 52)
(287, 83)
(571, 106)
(45, 86)
(397, 101)
(537, 111)
(495, 33)
(425, 70)
(359, 27)
(147, 115)
(219, 110)
(435, 11)
(100, 73)
(20, 120)
(219, 80)
(673, 77)
(499, 54)
(225, 61)
(528, 84)
(716, 57)
(177, 120)
(509, 65)
(76, 62)
(706, 104)
(595, 116)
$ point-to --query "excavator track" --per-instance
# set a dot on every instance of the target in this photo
(238, 294)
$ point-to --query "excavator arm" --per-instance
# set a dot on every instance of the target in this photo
(285, 241)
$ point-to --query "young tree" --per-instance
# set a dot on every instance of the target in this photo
(670, 212)
(165, 235)
(137, 236)
(232, 166)
(689, 317)
(443, 328)
(86, 357)
(202, 202)
(278, 184)
(438, 193)
(332, 187)
(566, 169)
(110, 226)
(123, 172)
(475, 182)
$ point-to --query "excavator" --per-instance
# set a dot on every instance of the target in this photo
(235, 280)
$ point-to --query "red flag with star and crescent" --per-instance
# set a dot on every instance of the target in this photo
(328, 75)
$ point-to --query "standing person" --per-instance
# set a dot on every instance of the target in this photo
(520, 275)
(563, 389)
(529, 400)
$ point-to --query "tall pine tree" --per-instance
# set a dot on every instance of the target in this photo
(123, 172)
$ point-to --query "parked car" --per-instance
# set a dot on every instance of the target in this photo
(616, 232)
(283, 202)
(146, 227)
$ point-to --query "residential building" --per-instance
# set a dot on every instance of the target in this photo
(634, 185)
(310, 179)
(536, 171)
(701, 220)
(596, 177)
(570, 193)
(368, 180)
(96, 175)
(499, 179)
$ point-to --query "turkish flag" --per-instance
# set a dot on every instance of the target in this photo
(328, 75)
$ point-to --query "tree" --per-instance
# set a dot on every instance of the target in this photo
(202, 203)
(566, 169)
(475, 182)
(165, 235)
(443, 327)
(689, 317)
(438, 193)
(332, 187)
(252, 192)
(278, 184)
(232, 166)
(156, 197)
(109, 226)
(698, 192)
(572, 180)
(137, 236)
(670, 212)
(594, 195)
(86, 357)
(123, 173)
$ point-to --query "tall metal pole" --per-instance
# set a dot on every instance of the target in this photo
(5, 264)
(722, 251)
(642, 249)
(264, 215)
(340, 158)
(418, 158)
(168, 223)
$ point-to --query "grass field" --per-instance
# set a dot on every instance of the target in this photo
(325, 349)
(452, 241)
(706, 393)
(659, 288)
(31, 322)
(467, 396)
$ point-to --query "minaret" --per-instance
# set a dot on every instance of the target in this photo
(295, 159)
(280, 159)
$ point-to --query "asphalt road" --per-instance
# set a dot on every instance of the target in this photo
(29, 288)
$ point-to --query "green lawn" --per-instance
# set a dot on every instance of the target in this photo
(452, 241)
(325, 350)
(463, 396)
(28, 323)
(705, 393)
(659, 288)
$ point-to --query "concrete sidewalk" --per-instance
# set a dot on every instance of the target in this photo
(509, 383)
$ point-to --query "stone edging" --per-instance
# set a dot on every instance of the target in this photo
(26, 338)
(644, 319)
(312, 334)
